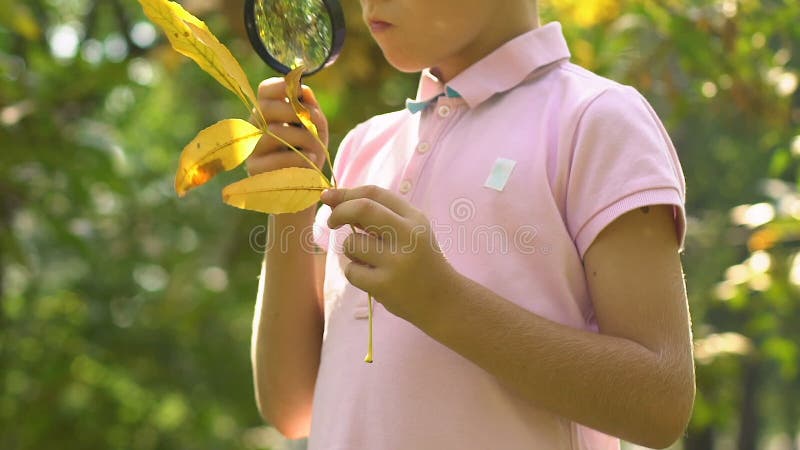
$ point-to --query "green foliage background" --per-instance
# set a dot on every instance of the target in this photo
(125, 313)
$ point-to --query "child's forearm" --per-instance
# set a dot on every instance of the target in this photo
(287, 325)
(612, 384)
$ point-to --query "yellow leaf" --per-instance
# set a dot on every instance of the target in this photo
(279, 191)
(229, 62)
(186, 16)
(192, 38)
(222, 146)
(293, 93)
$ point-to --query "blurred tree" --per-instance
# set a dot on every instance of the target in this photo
(722, 77)
(125, 314)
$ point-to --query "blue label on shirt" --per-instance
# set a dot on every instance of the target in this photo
(501, 172)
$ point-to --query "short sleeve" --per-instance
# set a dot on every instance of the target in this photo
(321, 231)
(622, 159)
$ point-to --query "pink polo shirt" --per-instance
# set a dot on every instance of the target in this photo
(518, 177)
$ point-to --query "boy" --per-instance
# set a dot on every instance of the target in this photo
(523, 222)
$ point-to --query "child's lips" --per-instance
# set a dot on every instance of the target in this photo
(376, 25)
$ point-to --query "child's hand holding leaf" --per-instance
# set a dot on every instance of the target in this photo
(227, 144)
(271, 152)
(275, 184)
(398, 259)
(285, 145)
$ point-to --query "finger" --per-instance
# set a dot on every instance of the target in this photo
(272, 88)
(366, 248)
(384, 197)
(309, 99)
(298, 137)
(272, 100)
(277, 111)
(363, 276)
(275, 89)
(278, 160)
(321, 122)
(280, 135)
(369, 215)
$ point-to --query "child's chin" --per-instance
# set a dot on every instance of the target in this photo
(406, 65)
(410, 69)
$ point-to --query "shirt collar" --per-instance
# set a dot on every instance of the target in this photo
(500, 71)
(416, 106)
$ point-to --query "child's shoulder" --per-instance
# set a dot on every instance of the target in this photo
(576, 94)
(382, 123)
(380, 127)
(570, 70)
(365, 139)
(581, 87)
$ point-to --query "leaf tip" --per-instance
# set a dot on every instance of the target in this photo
(180, 185)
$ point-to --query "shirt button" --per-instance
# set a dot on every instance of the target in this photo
(443, 111)
(405, 186)
(423, 147)
(361, 313)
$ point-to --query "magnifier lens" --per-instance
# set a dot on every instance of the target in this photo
(293, 32)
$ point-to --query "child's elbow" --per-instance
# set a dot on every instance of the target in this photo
(668, 425)
(661, 438)
(292, 425)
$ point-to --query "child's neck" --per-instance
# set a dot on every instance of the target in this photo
(488, 41)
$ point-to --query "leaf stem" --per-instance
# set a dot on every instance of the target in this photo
(262, 122)
(327, 154)
(368, 358)
(302, 155)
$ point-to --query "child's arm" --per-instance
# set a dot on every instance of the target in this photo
(287, 325)
(634, 380)
(288, 321)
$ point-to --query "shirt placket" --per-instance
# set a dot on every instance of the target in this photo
(433, 123)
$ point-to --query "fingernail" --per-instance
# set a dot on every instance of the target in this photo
(326, 196)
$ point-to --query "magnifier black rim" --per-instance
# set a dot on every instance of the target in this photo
(336, 14)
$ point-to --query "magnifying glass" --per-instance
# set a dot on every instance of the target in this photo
(290, 33)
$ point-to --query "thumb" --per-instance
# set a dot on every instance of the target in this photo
(308, 97)
(332, 197)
